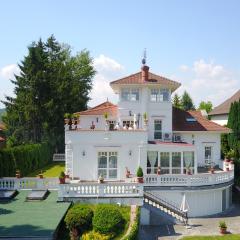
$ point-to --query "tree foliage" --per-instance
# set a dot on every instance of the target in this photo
(177, 101)
(51, 82)
(205, 106)
(187, 102)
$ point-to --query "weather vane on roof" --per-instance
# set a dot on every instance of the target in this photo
(144, 56)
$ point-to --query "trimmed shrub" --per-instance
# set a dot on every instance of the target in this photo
(26, 158)
(95, 236)
(79, 219)
(107, 219)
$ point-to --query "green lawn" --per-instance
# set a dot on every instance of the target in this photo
(50, 170)
(224, 237)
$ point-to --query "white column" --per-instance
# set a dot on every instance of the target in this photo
(195, 163)
(181, 162)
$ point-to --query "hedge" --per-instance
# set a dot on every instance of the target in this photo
(25, 158)
(133, 235)
(107, 219)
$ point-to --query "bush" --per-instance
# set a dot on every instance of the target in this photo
(107, 219)
(79, 218)
(139, 172)
(25, 158)
(95, 236)
(222, 224)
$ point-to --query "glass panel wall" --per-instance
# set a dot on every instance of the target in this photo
(176, 162)
(165, 162)
(188, 162)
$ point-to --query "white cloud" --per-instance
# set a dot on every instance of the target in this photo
(107, 70)
(209, 81)
(6, 73)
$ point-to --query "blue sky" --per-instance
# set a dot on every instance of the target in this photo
(194, 42)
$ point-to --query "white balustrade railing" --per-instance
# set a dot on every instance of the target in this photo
(59, 157)
(28, 183)
(202, 179)
(112, 189)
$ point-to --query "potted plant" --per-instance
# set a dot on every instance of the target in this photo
(212, 169)
(66, 118)
(145, 118)
(140, 175)
(40, 175)
(76, 117)
(188, 170)
(18, 174)
(101, 179)
(62, 177)
(158, 171)
(223, 227)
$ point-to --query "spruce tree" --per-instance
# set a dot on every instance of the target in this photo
(177, 101)
(51, 82)
(186, 101)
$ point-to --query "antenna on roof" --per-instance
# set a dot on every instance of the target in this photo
(144, 60)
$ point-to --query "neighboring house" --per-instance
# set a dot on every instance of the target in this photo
(144, 129)
(220, 113)
(2, 137)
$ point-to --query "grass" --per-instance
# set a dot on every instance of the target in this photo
(51, 170)
(224, 237)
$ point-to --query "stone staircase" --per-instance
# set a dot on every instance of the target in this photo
(165, 206)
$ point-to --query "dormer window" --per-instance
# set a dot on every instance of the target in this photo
(159, 95)
(130, 94)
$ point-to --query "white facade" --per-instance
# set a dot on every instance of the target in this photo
(139, 132)
(220, 119)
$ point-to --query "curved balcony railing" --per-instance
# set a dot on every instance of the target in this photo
(203, 179)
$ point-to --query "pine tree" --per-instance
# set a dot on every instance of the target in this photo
(51, 82)
(186, 101)
(177, 101)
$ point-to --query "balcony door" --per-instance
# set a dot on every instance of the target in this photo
(158, 129)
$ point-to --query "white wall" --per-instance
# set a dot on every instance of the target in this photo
(220, 119)
(203, 139)
(201, 202)
(92, 142)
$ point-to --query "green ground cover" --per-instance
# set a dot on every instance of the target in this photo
(51, 170)
(40, 218)
(224, 237)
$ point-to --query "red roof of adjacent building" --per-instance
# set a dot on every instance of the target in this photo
(152, 79)
(106, 107)
(194, 121)
(224, 107)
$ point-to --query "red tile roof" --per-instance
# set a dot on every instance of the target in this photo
(106, 107)
(224, 107)
(152, 79)
(180, 123)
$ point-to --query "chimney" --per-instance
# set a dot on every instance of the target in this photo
(145, 70)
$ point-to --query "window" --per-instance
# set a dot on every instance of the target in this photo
(208, 154)
(130, 94)
(159, 95)
(165, 162)
(176, 162)
(152, 162)
(128, 123)
(188, 161)
(157, 129)
(107, 164)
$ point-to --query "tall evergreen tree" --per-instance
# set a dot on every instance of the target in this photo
(177, 101)
(51, 82)
(186, 101)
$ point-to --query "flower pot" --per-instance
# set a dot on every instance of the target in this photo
(159, 171)
(223, 230)
(212, 171)
(61, 180)
(227, 160)
(40, 175)
(140, 179)
(18, 175)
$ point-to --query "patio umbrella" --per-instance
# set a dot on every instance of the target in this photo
(184, 205)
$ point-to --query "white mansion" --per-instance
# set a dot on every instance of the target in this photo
(175, 148)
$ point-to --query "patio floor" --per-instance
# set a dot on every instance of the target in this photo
(19, 218)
